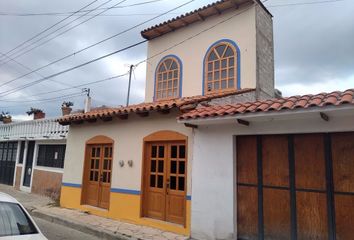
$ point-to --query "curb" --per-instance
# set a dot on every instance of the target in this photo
(102, 234)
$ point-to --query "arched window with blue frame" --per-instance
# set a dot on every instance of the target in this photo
(168, 77)
(221, 67)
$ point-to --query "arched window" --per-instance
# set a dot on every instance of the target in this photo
(221, 68)
(168, 75)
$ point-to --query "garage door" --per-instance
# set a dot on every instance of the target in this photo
(295, 186)
(8, 152)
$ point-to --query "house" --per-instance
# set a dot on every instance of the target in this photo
(32, 155)
(274, 169)
(134, 163)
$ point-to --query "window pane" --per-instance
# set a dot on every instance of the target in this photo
(216, 75)
(231, 72)
(210, 76)
(173, 151)
(164, 76)
(231, 62)
(152, 180)
(217, 65)
(163, 94)
(173, 183)
(175, 82)
(91, 175)
(181, 183)
(104, 177)
(105, 164)
(169, 93)
(160, 166)
(210, 66)
(153, 151)
(216, 85)
(174, 65)
(169, 84)
(162, 68)
(161, 151)
(220, 49)
(168, 63)
(231, 83)
(98, 152)
(173, 167)
(229, 52)
(96, 176)
(160, 181)
(159, 77)
(212, 56)
(106, 152)
(175, 73)
(164, 85)
(182, 151)
(97, 164)
(92, 163)
(159, 86)
(223, 84)
(175, 92)
(153, 166)
(108, 177)
(181, 167)
(223, 63)
(223, 74)
(169, 75)
(210, 86)
(93, 152)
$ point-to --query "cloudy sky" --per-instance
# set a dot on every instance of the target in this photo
(314, 48)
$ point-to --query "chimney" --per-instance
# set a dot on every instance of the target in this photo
(7, 120)
(87, 104)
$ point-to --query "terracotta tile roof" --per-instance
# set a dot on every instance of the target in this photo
(199, 14)
(147, 107)
(295, 102)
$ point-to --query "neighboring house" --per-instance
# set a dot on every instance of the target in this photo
(135, 163)
(32, 155)
(275, 169)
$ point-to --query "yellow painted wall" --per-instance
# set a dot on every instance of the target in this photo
(124, 207)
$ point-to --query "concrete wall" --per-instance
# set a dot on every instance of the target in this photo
(18, 177)
(214, 162)
(125, 202)
(240, 29)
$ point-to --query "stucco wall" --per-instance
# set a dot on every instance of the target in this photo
(214, 162)
(128, 145)
(240, 29)
(46, 183)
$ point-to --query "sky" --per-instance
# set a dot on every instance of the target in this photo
(313, 47)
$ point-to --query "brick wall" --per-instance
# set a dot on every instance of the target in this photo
(265, 54)
(46, 183)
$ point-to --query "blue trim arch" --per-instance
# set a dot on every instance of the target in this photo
(238, 60)
(180, 74)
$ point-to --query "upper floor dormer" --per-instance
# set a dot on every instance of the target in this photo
(222, 46)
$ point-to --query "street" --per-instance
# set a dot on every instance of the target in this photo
(55, 231)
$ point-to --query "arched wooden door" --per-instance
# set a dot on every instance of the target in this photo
(98, 172)
(165, 179)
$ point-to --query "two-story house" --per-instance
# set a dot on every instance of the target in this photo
(134, 163)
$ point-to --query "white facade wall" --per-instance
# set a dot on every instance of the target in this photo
(241, 29)
(214, 164)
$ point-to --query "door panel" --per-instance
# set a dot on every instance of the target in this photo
(28, 166)
(165, 181)
(105, 176)
(344, 209)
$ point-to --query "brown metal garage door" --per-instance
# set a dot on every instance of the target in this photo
(295, 186)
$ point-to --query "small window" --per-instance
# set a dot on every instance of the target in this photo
(51, 156)
(167, 79)
(220, 68)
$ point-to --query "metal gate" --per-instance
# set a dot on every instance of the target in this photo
(8, 151)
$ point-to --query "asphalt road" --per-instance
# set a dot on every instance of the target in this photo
(55, 231)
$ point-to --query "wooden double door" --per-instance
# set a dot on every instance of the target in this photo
(165, 177)
(97, 175)
(295, 186)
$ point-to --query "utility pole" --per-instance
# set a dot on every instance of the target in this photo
(130, 80)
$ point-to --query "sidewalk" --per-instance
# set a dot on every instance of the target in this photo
(43, 207)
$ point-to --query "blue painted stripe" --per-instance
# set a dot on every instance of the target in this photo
(189, 197)
(71, 185)
(126, 191)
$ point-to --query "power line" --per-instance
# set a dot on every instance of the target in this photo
(41, 44)
(304, 3)
(67, 13)
(50, 27)
(99, 42)
(46, 99)
(107, 15)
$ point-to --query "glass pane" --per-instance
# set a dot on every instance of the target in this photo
(159, 86)
(163, 94)
(169, 93)
(175, 82)
(160, 166)
(109, 177)
(173, 183)
(229, 52)
(153, 151)
(220, 49)
(175, 92)
(105, 164)
(181, 167)
(104, 177)
(152, 180)
(159, 77)
(231, 72)
(98, 152)
(223, 84)
(164, 85)
(92, 163)
(231, 62)
(110, 152)
(175, 74)
(223, 63)
(212, 56)
(161, 151)
(181, 183)
(168, 63)
(97, 164)
(216, 85)
(158, 94)
(231, 83)
(162, 68)
(153, 166)
(91, 175)
(160, 181)
(106, 152)
(210, 66)
(210, 76)
(182, 151)
(173, 151)
(93, 152)
(217, 65)
(216, 75)
(223, 74)
(96, 176)
(164, 76)
(174, 65)
(169, 84)
(169, 75)
(173, 166)
(210, 86)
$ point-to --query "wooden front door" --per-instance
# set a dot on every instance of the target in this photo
(295, 186)
(165, 181)
(97, 177)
